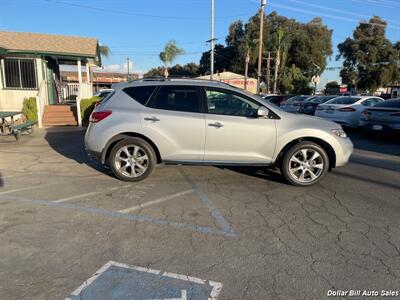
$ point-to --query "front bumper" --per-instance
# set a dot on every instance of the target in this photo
(344, 151)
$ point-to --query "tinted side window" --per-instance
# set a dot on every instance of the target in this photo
(389, 103)
(178, 98)
(140, 93)
(226, 103)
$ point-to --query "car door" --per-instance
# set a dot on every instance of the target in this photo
(234, 133)
(174, 120)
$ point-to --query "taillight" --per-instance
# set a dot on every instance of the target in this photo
(396, 114)
(347, 109)
(97, 116)
(319, 108)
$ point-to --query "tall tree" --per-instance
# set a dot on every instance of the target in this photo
(370, 59)
(188, 70)
(280, 35)
(303, 45)
(249, 47)
(168, 55)
(224, 57)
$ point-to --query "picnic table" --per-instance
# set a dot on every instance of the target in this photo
(4, 124)
(12, 128)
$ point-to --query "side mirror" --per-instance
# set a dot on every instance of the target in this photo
(262, 112)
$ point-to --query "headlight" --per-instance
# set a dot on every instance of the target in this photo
(339, 133)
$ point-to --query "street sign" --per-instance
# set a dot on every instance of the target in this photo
(120, 281)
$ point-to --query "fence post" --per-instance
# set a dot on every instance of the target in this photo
(39, 111)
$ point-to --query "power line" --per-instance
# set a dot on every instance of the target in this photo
(320, 14)
(338, 10)
(140, 14)
(388, 4)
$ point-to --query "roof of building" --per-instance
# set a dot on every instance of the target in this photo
(27, 42)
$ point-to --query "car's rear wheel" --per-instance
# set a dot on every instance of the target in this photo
(305, 164)
(132, 159)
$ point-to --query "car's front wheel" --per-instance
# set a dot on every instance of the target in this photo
(132, 159)
(305, 164)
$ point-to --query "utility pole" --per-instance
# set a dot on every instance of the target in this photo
(268, 72)
(127, 64)
(212, 41)
(260, 44)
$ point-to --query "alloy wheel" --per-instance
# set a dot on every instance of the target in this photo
(306, 165)
(131, 161)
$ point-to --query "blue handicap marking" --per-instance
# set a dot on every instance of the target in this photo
(120, 281)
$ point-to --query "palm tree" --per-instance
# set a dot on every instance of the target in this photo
(249, 45)
(280, 35)
(168, 55)
(104, 50)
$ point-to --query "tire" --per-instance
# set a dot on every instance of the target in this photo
(126, 166)
(304, 172)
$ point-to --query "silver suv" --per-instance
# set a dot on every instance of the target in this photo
(146, 122)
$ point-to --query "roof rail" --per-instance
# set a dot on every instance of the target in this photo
(181, 78)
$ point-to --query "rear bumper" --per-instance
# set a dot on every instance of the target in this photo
(94, 154)
(385, 127)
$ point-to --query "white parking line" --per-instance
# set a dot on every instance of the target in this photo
(28, 188)
(159, 200)
(90, 194)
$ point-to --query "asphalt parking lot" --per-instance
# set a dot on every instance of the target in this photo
(243, 233)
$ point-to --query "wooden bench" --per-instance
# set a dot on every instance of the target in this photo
(17, 129)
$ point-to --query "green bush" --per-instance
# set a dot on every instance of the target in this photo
(29, 109)
(87, 106)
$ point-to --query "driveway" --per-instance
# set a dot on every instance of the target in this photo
(235, 232)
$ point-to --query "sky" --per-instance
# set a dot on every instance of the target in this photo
(138, 29)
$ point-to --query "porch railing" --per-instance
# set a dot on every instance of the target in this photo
(70, 92)
(41, 101)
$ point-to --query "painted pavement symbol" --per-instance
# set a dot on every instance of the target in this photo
(122, 282)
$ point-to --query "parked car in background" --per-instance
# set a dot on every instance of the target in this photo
(346, 110)
(309, 106)
(209, 123)
(278, 99)
(383, 117)
(103, 93)
(293, 104)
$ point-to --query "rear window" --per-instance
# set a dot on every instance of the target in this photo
(297, 99)
(321, 99)
(389, 103)
(344, 100)
(140, 93)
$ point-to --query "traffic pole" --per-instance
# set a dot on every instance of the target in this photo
(260, 44)
(212, 41)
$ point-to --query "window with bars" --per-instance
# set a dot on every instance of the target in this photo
(20, 73)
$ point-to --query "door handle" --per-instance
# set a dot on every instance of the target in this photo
(152, 118)
(216, 125)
